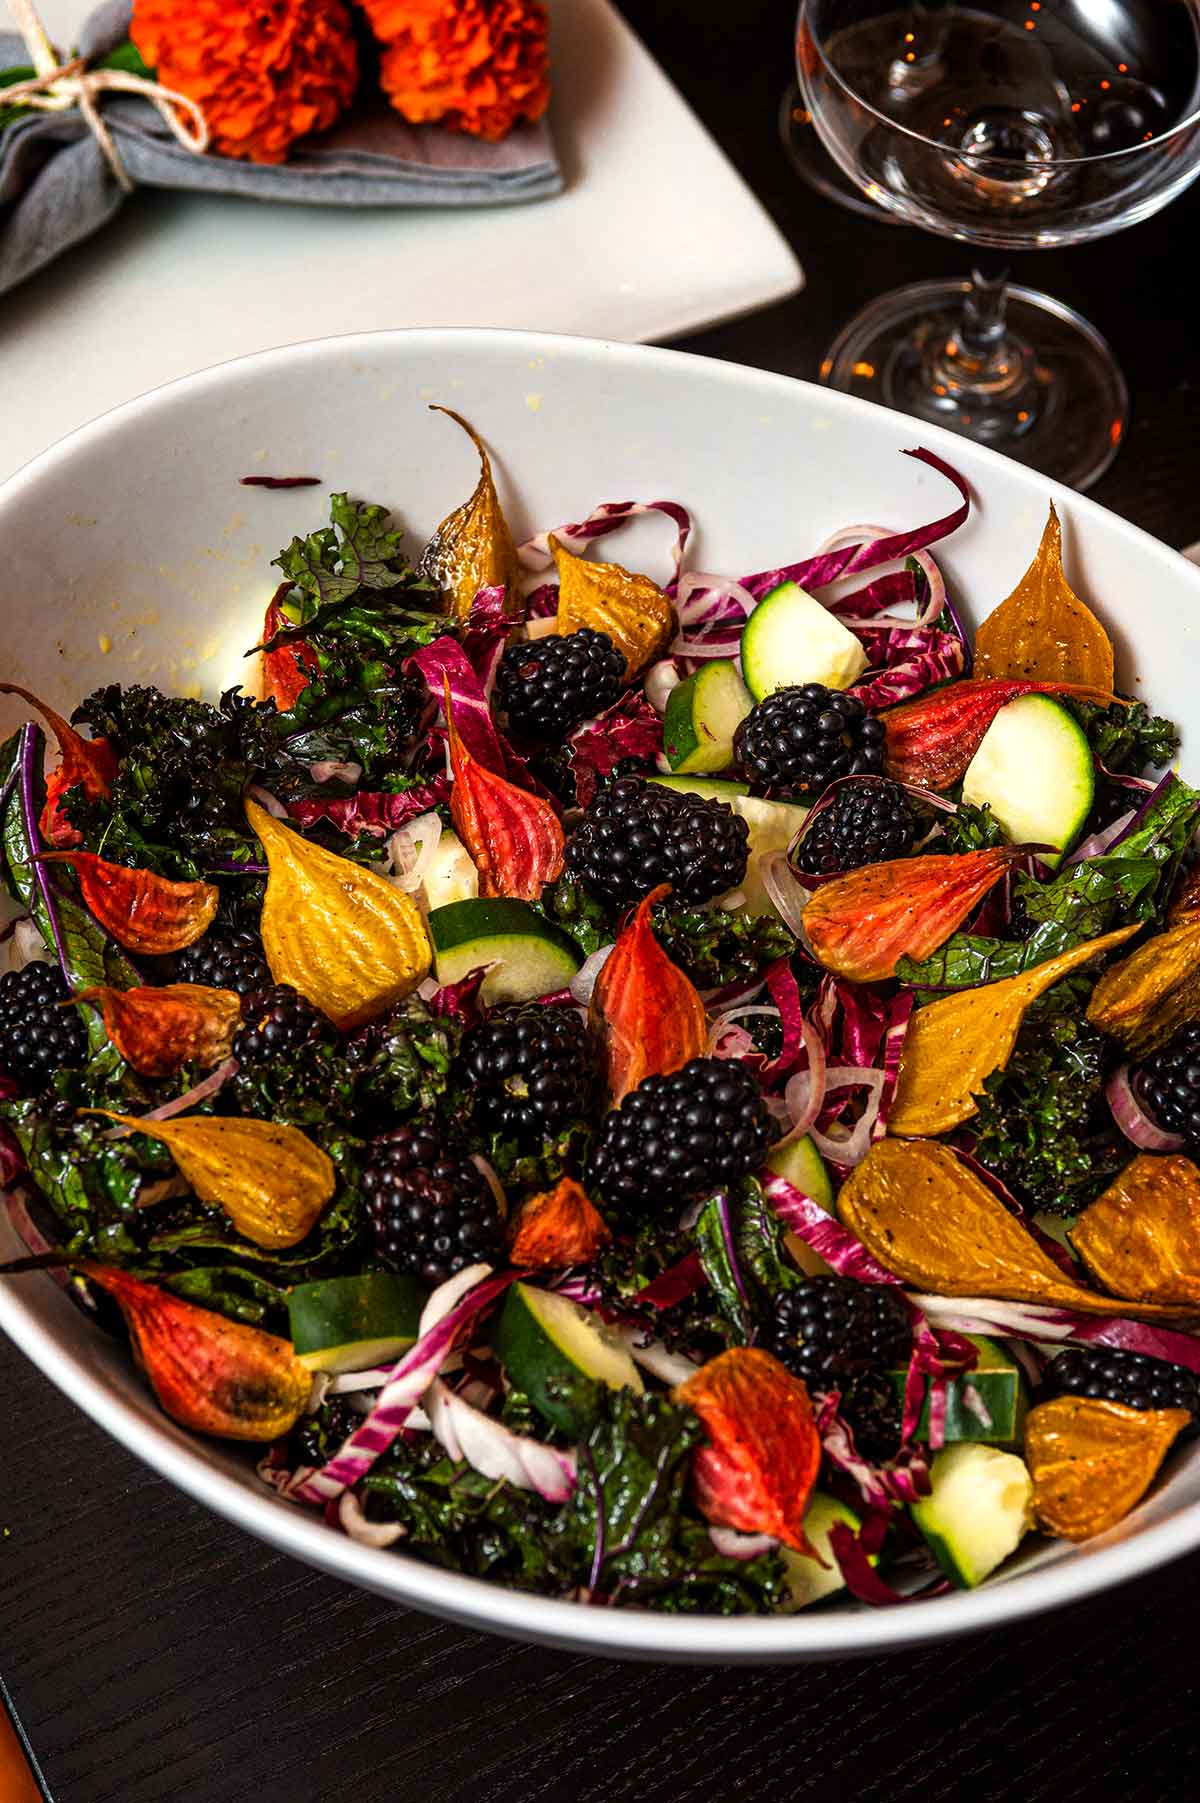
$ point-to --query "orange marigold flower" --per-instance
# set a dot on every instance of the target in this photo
(264, 75)
(475, 65)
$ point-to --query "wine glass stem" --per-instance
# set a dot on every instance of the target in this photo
(980, 360)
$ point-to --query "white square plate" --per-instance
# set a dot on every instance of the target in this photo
(656, 234)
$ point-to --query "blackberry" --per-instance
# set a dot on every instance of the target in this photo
(532, 1072)
(1167, 1083)
(235, 961)
(677, 1137)
(865, 823)
(798, 740)
(275, 1021)
(429, 1212)
(840, 1335)
(636, 835)
(37, 1036)
(548, 686)
(1115, 1376)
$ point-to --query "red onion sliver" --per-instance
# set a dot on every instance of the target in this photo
(734, 1545)
(214, 1081)
(1132, 1118)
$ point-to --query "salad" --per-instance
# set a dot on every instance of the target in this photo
(670, 1096)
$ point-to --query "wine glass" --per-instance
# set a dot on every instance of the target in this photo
(1006, 124)
(815, 167)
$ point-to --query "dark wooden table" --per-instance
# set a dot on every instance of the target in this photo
(157, 1655)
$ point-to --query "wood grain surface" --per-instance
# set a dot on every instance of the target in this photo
(157, 1655)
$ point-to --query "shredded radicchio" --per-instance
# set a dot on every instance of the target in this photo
(280, 481)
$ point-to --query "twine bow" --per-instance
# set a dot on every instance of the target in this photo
(60, 87)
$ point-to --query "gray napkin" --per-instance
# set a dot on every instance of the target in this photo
(56, 187)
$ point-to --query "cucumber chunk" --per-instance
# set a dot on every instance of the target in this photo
(703, 713)
(790, 638)
(708, 788)
(773, 825)
(451, 875)
(978, 1512)
(807, 1580)
(801, 1164)
(557, 1352)
(353, 1323)
(1034, 769)
(529, 956)
(997, 1381)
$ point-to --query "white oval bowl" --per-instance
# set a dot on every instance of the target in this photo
(131, 554)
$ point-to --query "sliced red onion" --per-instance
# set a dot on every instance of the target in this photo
(584, 980)
(697, 591)
(1133, 1119)
(411, 849)
(742, 991)
(367, 1533)
(494, 1450)
(490, 1177)
(1099, 843)
(336, 770)
(265, 799)
(659, 680)
(24, 945)
(348, 1383)
(730, 1018)
(851, 1148)
(449, 1311)
(787, 895)
(669, 1367)
(30, 1235)
(215, 1080)
(734, 1545)
(733, 1042)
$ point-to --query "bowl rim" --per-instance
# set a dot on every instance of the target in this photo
(475, 1602)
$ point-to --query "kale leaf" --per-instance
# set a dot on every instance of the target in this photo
(1127, 740)
(176, 804)
(1087, 899)
(627, 1535)
(969, 829)
(1042, 1124)
(713, 947)
(358, 550)
(630, 1262)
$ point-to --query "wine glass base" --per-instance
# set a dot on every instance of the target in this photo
(1067, 418)
(815, 167)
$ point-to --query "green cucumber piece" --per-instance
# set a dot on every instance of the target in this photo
(979, 1509)
(556, 1352)
(1034, 770)
(1000, 1385)
(703, 713)
(1057, 1228)
(353, 1323)
(801, 1164)
(708, 788)
(773, 825)
(808, 1581)
(528, 954)
(790, 638)
(451, 876)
